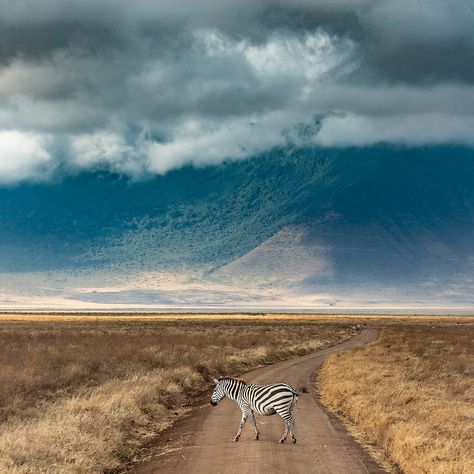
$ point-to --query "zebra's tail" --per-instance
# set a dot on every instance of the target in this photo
(300, 391)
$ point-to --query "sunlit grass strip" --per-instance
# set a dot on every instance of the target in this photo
(108, 316)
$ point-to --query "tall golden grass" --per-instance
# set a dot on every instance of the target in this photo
(412, 394)
(82, 395)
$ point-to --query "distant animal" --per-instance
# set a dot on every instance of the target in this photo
(355, 328)
(262, 399)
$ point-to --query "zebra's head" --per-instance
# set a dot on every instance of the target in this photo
(218, 393)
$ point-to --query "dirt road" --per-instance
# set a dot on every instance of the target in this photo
(203, 442)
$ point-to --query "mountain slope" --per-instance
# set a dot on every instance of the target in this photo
(309, 221)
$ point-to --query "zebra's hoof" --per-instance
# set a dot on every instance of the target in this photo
(282, 440)
(294, 440)
(236, 439)
(256, 438)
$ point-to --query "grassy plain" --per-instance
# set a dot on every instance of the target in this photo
(411, 393)
(82, 393)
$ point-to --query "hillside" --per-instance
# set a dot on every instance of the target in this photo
(306, 219)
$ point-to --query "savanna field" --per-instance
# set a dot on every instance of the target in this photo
(85, 393)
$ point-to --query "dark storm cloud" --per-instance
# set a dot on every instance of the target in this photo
(146, 86)
(399, 39)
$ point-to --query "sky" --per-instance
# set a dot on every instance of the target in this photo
(147, 86)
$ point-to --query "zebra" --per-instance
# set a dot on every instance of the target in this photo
(262, 399)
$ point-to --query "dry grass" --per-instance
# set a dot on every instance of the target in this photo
(81, 395)
(411, 393)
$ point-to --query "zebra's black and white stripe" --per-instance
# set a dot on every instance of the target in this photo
(262, 399)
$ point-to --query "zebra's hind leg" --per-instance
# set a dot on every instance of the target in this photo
(291, 424)
(285, 413)
(254, 423)
(242, 423)
(285, 434)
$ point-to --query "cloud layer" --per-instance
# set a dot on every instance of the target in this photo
(144, 87)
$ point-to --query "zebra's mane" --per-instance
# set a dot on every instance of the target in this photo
(232, 378)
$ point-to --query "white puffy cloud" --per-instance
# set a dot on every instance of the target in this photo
(23, 156)
(201, 145)
(414, 130)
(107, 149)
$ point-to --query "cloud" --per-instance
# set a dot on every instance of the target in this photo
(356, 130)
(107, 149)
(23, 156)
(144, 87)
(196, 144)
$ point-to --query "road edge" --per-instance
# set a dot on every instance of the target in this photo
(347, 426)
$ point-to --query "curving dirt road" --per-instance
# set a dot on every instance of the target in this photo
(202, 443)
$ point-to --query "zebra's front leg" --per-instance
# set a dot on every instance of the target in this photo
(242, 423)
(254, 423)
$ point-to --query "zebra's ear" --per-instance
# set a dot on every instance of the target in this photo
(215, 381)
